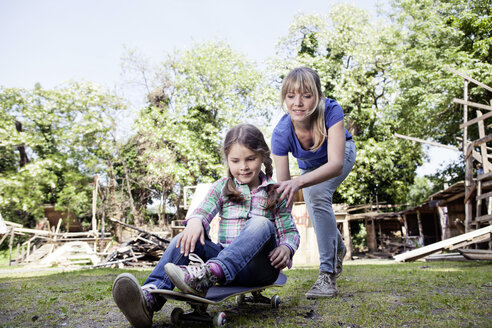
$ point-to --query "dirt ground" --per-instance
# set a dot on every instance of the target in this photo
(435, 294)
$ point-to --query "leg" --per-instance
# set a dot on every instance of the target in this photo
(137, 303)
(159, 278)
(319, 204)
(245, 261)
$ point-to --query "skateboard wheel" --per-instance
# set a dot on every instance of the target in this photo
(239, 300)
(275, 302)
(175, 315)
(220, 320)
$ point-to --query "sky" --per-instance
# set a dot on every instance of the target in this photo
(53, 41)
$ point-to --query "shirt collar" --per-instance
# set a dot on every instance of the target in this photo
(265, 181)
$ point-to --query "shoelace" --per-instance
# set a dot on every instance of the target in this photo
(323, 280)
(196, 267)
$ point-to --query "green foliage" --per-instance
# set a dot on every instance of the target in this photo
(54, 142)
(420, 190)
(394, 78)
(207, 90)
(352, 55)
(435, 36)
(359, 238)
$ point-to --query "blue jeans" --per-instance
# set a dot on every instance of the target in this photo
(244, 262)
(318, 200)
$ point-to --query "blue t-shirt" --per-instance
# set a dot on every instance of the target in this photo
(284, 139)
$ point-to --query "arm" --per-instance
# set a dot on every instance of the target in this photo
(333, 168)
(288, 236)
(198, 222)
(282, 167)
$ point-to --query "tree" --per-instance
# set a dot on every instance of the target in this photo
(353, 56)
(196, 96)
(435, 36)
(60, 138)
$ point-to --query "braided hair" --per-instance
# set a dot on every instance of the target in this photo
(250, 137)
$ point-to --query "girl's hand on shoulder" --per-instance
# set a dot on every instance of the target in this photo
(190, 235)
(287, 189)
(280, 257)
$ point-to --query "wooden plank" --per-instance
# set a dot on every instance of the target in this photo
(440, 245)
(483, 218)
(477, 142)
(476, 254)
(470, 194)
(427, 142)
(483, 196)
(471, 104)
(475, 120)
(483, 147)
(470, 79)
(484, 176)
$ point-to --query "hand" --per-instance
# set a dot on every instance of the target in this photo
(191, 234)
(287, 189)
(280, 257)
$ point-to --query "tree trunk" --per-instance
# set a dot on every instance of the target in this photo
(24, 159)
(162, 218)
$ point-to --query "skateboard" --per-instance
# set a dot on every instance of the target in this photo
(216, 295)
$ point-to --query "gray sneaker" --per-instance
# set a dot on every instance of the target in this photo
(195, 278)
(131, 299)
(340, 256)
(324, 287)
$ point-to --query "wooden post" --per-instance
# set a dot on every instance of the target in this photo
(421, 230)
(465, 115)
(468, 187)
(11, 242)
(94, 206)
(483, 147)
(371, 236)
(347, 238)
(444, 222)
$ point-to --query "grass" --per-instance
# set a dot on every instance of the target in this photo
(418, 294)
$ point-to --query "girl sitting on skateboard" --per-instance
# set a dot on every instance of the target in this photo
(257, 235)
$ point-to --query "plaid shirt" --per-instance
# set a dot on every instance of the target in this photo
(234, 215)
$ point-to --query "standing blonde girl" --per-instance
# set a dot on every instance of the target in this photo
(257, 235)
(312, 131)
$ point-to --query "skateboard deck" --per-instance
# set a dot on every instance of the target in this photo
(215, 296)
(217, 293)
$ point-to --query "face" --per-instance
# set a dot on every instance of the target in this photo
(299, 105)
(245, 165)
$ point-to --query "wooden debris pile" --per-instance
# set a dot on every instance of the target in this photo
(143, 250)
(54, 248)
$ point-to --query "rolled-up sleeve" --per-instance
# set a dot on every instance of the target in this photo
(209, 206)
(286, 227)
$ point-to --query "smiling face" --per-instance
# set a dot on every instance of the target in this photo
(299, 105)
(245, 165)
(301, 94)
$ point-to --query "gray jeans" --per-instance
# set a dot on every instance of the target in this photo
(318, 200)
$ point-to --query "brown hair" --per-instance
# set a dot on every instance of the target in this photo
(250, 137)
(305, 79)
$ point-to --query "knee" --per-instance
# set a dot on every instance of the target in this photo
(260, 224)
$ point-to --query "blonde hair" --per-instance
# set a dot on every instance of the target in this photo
(250, 137)
(302, 80)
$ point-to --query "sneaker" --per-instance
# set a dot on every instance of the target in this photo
(340, 256)
(195, 278)
(324, 287)
(133, 301)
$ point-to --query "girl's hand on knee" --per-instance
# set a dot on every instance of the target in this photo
(190, 235)
(280, 257)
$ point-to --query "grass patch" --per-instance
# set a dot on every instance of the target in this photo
(419, 294)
